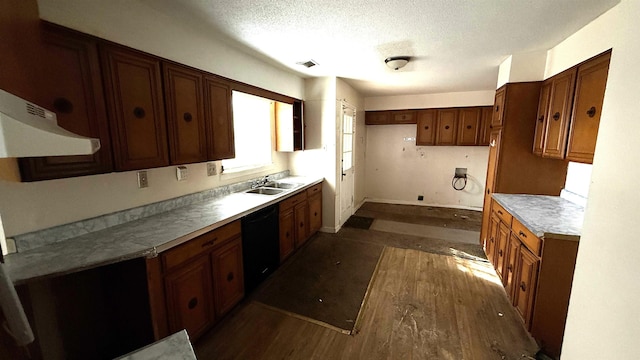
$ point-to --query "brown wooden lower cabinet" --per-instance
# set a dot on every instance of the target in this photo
(300, 218)
(537, 274)
(194, 284)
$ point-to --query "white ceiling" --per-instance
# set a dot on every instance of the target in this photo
(455, 45)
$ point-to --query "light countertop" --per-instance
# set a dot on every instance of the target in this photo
(145, 237)
(545, 216)
(176, 346)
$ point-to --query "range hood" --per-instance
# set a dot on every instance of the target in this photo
(28, 130)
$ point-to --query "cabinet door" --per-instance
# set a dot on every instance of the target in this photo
(587, 107)
(447, 127)
(492, 169)
(541, 118)
(301, 212)
(377, 117)
(403, 117)
(315, 213)
(219, 120)
(510, 266)
(498, 108)
(72, 88)
(287, 234)
(185, 114)
(468, 126)
(485, 125)
(228, 280)
(526, 280)
(558, 116)
(190, 297)
(426, 127)
(501, 253)
(136, 108)
(298, 125)
(492, 239)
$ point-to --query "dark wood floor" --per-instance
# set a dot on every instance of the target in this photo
(420, 306)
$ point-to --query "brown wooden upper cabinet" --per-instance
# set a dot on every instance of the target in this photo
(72, 88)
(390, 117)
(219, 119)
(587, 107)
(133, 86)
(185, 114)
(469, 126)
(569, 111)
(289, 126)
(426, 127)
(498, 109)
(403, 117)
(446, 127)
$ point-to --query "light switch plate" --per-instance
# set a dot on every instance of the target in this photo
(143, 181)
(182, 172)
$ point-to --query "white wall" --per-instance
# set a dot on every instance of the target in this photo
(397, 171)
(421, 101)
(522, 67)
(28, 207)
(603, 319)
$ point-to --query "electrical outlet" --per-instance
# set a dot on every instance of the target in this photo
(182, 173)
(461, 173)
(143, 181)
(211, 169)
(420, 198)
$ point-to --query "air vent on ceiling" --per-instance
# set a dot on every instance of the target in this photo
(309, 63)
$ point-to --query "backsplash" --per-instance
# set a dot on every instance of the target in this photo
(60, 233)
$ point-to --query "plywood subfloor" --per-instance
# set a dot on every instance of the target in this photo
(421, 306)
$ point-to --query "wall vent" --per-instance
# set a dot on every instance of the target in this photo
(309, 63)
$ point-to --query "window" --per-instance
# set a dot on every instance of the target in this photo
(252, 124)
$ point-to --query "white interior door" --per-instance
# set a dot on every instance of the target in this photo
(347, 177)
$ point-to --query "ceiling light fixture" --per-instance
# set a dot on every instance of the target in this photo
(397, 62)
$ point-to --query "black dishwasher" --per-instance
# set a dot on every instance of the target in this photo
(260, 246)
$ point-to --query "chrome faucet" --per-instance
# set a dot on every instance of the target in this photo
(260, 182)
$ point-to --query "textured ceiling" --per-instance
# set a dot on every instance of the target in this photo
(455, 45)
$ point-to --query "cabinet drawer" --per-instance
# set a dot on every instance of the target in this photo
(502, 213)
(531, 241)
(292, 201)
(314, 189)
(200, 245)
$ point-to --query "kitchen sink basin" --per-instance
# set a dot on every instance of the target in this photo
(265, 191)
(282, 185)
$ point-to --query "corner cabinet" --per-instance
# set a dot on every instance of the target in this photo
(135, 104)
(300, 218)
(512, 167)
(72, 88)
(194, 284)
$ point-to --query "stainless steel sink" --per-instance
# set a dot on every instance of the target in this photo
(265, 191)
(282, 185)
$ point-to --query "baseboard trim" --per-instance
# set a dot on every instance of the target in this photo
(419, 203)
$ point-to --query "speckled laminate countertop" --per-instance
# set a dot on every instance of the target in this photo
(545, 216)
(140, 238)
(176, 346)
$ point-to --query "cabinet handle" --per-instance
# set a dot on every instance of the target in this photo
(187, 117)
(286, 234)
(491, 239)
(592, 112)
(138, 112)
(446, 127)
(500, 212)
(492, 143)
(556, 116)
(500, 252)
(315, 214)
(426, 128)
(510, 268)
(522, 234)
(63, 105)
(209, 243)
(468, 126)
(523, 286)
(192, 303)
(497, 108)
(230, 276)
(541, 118)
(301, 224)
